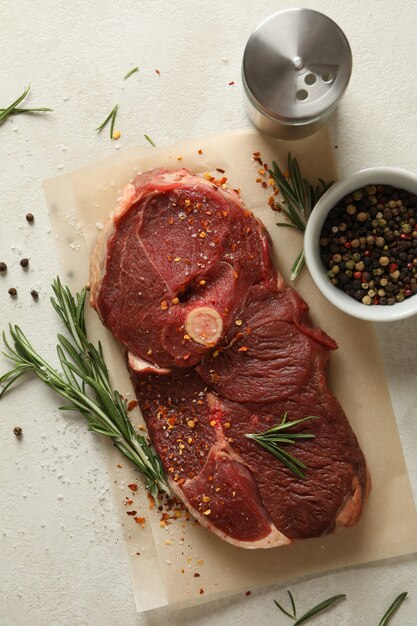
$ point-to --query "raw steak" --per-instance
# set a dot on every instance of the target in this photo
(217, 348)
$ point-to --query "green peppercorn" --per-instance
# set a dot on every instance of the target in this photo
(380, 242)
(357, 195)
(350, 265)
(384, 261)
(371, 190)
(355, 243)
(400, 297)
(371, 293)
(356, 257)
(360, 266)
(406, 228)
(335, 269)
(351, 209)
(337, 258)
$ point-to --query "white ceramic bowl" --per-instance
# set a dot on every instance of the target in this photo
(373, 176)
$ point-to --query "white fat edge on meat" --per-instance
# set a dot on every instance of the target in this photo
(351, 508)
(141, 366)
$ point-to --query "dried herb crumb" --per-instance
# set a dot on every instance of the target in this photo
(17, 431)
(3, 267)
(13, 292)
(30, 217)
(24, 262)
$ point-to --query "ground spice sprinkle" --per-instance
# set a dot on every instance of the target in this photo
(368, 245)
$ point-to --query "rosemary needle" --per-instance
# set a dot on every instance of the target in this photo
(84, 383)
(110, 118)
(130, 72)
(281, 608)
(318, 609)
(13, 109)
(393, 608)
(150, 140)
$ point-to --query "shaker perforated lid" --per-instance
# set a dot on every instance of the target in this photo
(296, 66)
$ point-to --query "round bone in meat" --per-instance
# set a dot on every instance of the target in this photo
(204, 325)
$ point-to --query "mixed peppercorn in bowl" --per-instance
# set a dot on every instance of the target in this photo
(361, 244)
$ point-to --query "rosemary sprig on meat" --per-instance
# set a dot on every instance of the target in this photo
(110, 118)
(14, 109)
(319, 608)
(392, 609)
(300, 197)
(84, 383)
(278, 436)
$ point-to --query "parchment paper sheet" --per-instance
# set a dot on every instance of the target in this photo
(178, 563)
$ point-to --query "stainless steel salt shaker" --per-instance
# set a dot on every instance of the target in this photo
(296, 67)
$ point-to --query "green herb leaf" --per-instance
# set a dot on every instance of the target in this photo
(150, 140)
(13, 108)
(319, 608)
(393, 608)
(273, 440)
(84, 383)
(110, 118)
(130, 72)
(294, 612)
(300, 197)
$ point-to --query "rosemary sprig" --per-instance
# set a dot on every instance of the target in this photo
(150, 140)
(130, 72)
(13, 109)
(300, 197)
(393, 608)
(273, 440)
(110, 118)
(84, 383)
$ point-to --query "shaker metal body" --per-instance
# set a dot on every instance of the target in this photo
(296, 67)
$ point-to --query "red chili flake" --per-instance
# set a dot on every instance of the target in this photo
(248, 593)
(151, 501)
(393, 267)
(256, 154)
(128, 502)
(132, 405)
(243, 349)
(219, 169)
(347, 245)
(196, 575)
(200, 151)
(201, 591)
(131, 512)
(357, 275)
(264, 184)
(232, 82)
(133, 486)
(119, 466)
(158, 72)
(139, 520)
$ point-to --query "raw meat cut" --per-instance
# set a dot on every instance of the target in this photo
(217, 348)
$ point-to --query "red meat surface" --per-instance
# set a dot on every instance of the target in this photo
(219, 348)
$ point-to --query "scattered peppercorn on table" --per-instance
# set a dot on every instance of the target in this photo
(62, 559)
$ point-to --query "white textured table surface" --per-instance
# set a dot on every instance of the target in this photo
(62, 562)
